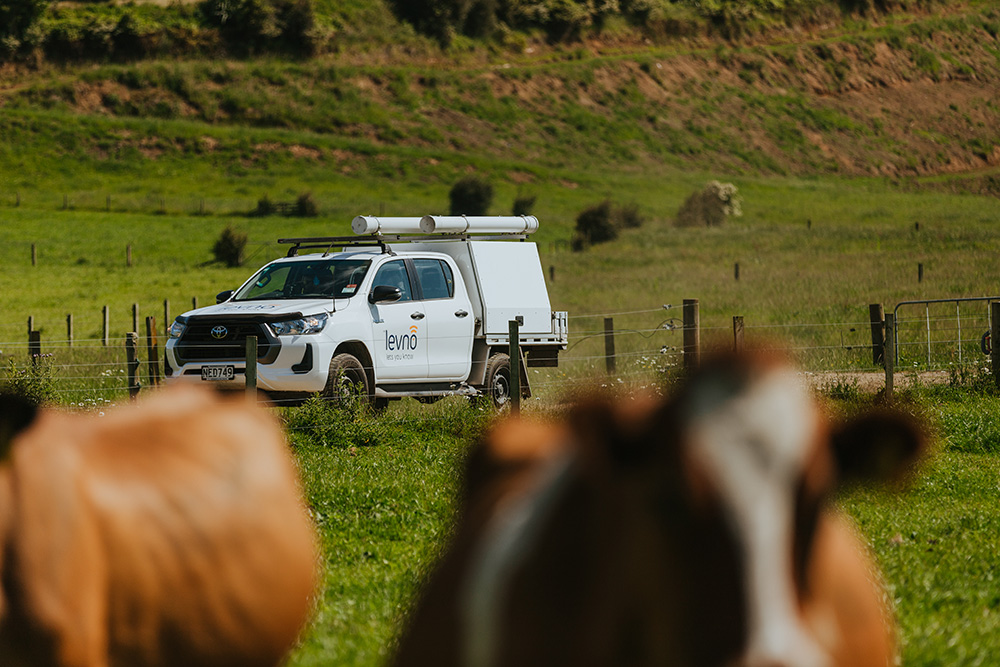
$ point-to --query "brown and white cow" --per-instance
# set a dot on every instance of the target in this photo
(169, 533)
(696, 531)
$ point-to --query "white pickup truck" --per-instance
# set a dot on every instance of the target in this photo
(415, 307)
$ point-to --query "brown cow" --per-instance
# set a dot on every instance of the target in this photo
(170, 533)
(696, 531)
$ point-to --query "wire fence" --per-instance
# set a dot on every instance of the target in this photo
(628, 349)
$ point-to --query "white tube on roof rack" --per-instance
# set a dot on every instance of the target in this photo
(478, 224)
(370, 224)
(446, 224)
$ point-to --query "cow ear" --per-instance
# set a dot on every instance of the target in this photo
(16, 414)
(878, 446)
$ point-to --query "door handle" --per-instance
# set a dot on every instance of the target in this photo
(461, 313)
(417, 316)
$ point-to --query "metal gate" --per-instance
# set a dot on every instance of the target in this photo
(929, 336)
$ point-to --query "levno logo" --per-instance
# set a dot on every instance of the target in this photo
(406, 341)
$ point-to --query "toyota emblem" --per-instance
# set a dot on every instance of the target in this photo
(219, 332)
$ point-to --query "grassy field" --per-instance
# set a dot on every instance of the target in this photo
(812, 255)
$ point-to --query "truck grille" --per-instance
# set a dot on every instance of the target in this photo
(217, 340)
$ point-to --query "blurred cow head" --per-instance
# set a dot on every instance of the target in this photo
(692, 531)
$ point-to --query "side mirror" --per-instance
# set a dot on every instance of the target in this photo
(223, 296)
(385, 294)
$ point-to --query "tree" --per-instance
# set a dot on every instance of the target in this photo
(471, 196)
(229, 247)
(596, 224)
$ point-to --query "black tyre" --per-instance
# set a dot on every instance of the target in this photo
(347, 383)
(497, 382)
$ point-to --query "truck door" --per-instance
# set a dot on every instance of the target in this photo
(399, 329)
(450, 322)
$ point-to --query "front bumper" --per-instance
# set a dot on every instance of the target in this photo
(295, 364)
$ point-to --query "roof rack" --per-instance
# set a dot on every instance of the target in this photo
(330, 242)
(382, 241)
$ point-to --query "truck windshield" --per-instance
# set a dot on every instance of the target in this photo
(321, 278)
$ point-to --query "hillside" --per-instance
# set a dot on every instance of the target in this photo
(903, 95)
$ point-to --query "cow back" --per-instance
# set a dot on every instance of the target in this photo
(173, 533)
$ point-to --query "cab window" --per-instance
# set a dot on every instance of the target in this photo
(436, 279)
(394, 274)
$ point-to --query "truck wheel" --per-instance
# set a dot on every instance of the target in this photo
(347, 383)
(497, 386)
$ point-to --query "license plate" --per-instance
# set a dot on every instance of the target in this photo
(218, 372)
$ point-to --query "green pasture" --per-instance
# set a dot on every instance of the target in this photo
(812, 254)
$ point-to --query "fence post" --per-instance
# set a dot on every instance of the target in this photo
(876, 315)
(128, 255)
(166, 317)
(995, 340)
(515, 366)
(34, 255)
(152, 352)
(31, 324)
(194, 303)
(609, 344)
(135, 317)
(738, 333)
(692, 335)
(35, 347)
(106, 326)
(132, 363)
(736, 271)
(890, 355)
(69, 329)
(251, 369)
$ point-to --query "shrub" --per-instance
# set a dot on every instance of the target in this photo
(595, 224)
(471, 196)
(229, 247)
(265, 207)
(524, 204)
(128, 41)
(63, 42)
(96, 39)
(305, 206)
(297, 27)
(247, 26)
(710, 207)
(434, 18)
(18, 24)
(559, 19)
(32, 383)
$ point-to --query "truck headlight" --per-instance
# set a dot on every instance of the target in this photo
(176, 329)
(306, 325)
